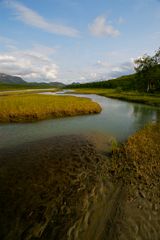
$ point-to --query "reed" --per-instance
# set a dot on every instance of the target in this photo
(137, 162)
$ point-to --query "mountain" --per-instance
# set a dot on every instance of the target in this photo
(8, 79)
(51, 84)
(18, 82)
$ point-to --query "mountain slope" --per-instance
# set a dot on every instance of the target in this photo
(129, 82)
(8, 82)
(8, 79)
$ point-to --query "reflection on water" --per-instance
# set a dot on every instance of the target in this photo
(142, 112)
(118, 118)
(145, 114)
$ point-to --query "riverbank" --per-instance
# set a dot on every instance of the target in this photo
(64, 188)
(137, 162)
(33, 107)
(137, 165)
(26, 91)
(134, 96)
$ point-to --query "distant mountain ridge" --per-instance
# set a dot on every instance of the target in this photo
(13, 80)
(8, 79)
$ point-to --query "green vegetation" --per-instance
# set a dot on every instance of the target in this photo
(141, 87)
(146, 78)
(138, 160)
(146, 67)
(23, 108)
(10, 87)
(131, 82)
(132, 96)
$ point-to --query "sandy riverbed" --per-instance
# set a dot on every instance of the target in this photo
(60, 188)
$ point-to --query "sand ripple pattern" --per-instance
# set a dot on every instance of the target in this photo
(60, 189)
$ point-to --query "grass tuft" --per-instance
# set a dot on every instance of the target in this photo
(137, 162)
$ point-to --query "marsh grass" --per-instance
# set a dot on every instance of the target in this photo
(137, 162)
(26, 91)
(132, 96)
(32, 107)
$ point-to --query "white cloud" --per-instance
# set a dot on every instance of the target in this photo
(32, 18)
(101, 27)
(29, 64)
(116, 70)
(100, 70)
(103, 71)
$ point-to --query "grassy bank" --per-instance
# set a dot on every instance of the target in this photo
(134, 96)
(26, 85)
(27, 91)
(137, 162)
(31, 107)
(10, 87)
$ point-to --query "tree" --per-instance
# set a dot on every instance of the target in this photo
(145, 64)
(157, 56)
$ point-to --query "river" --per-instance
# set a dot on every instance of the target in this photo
(118, 118)
(57, 184)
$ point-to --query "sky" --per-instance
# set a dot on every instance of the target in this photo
(76, 40)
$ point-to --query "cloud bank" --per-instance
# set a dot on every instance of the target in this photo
(102, 70)
(31, 65)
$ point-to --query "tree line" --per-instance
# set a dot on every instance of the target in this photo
(145, 67)
(146, 78)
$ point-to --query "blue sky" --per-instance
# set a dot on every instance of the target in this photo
(76, 40)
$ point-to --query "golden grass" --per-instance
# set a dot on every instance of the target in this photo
(31, 107)
(26, 91)
(138, 160)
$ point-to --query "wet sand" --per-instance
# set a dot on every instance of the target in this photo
(61, 188)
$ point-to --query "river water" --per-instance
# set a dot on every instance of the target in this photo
(118, 118)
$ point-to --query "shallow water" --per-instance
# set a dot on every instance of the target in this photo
(118, 118)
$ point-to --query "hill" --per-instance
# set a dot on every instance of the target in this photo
(8, 82)
(130, 82)
(8, 79)
(51, 84)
